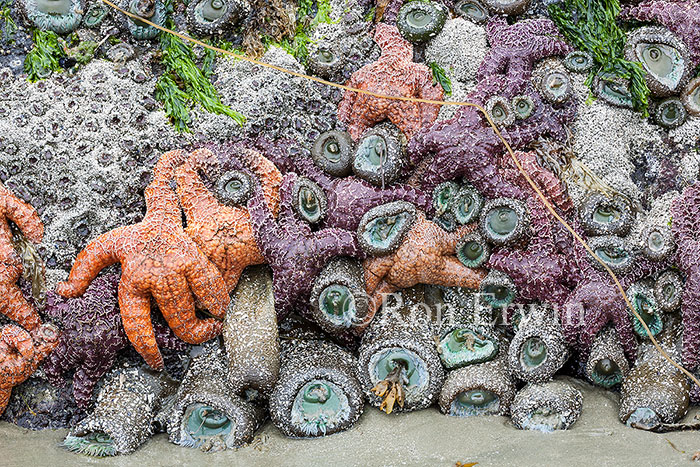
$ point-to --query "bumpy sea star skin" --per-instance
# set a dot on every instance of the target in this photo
(393, 74)
(158, 259)
(541, 271)
(13, 304)
(515, 48)
(682, 18)
(466, 145)
(426, 256)
(596, 301)
(295, 253)
(223, 232)
(349, 198)
(686, 231)
(91, 336)
(20, 355)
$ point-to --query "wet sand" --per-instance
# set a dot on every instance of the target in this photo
(420, 438)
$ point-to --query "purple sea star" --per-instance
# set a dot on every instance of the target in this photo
(92, 335)
(466, 145)
(596, 301)
(686, 231)
(516, 47)
(349, 198)
(295, 253)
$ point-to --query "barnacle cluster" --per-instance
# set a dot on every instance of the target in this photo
(333, 249)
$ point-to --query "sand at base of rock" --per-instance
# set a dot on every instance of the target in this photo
(421, 438)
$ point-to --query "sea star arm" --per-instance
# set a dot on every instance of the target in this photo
(375, 269)
(265, 228)
(336, 242)
(87, 376)
(16, 307)
(198, 203)
(267, 173)
(17, 350)
(135, 308)
(21, 214)
(96, 256)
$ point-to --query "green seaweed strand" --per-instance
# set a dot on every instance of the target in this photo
(298, 45)
(43, 58)
(440, 77)
(590, 25)
(9, 27)
(183, 84)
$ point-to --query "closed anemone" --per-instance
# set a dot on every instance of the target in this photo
(504, 221)
(644, 418)
(203, 422)
(338, 303)
(668, 291)
(475, 402)
(326, 61)
(606, 373)
(211, 10)
(383, 228)
(473, 250)
(467, 205)
(153, 10)
(691, 97)
(94, 443)
(546, 407)
(378, 157)
(94, 16)
(413, 376)
(663, 56)
(578, 61)
(601, 215)
(657, 242)
(533, 353)
(613, 89)
(472, 10)
(59, 16)
(319, 406)
(444, 196)
(420, 21)
(670, 113)
(332, 153)
(215, 16)
(499, 110)
(497, 289)
(310, 201)
(523, 106)
(641, 296)
(234, 188)
(555, 86)
(613, 251)
(464, 346)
